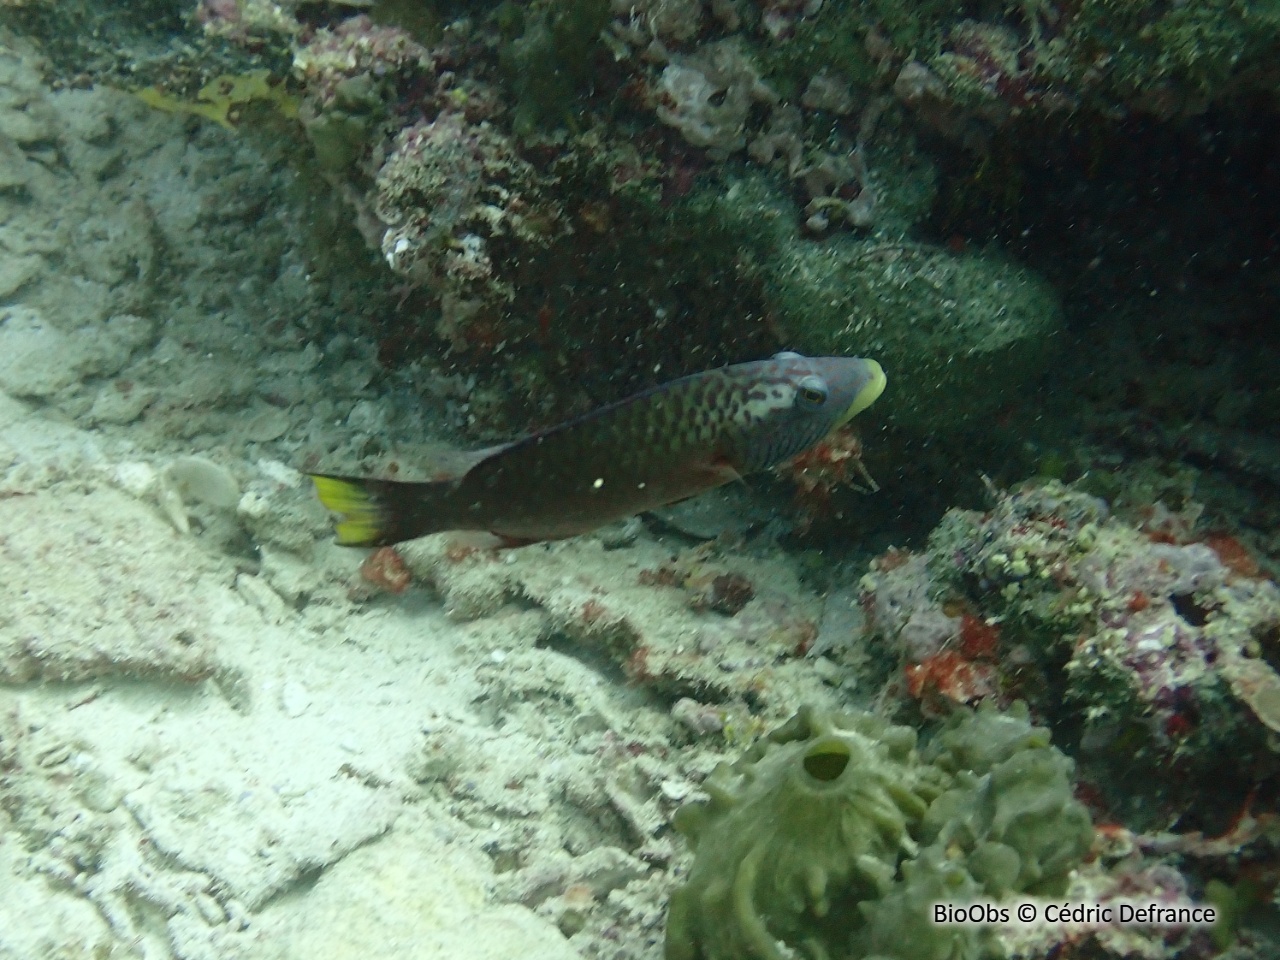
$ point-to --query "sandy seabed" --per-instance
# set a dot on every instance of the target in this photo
(216, 739)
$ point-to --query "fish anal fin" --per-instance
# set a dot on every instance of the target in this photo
(510, 543)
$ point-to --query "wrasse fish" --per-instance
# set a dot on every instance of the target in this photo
(659, 446)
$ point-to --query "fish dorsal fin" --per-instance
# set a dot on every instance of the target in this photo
(457, 463)
(472, 457)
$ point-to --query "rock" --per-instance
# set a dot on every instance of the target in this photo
(258, 843)
(204, 481)
(39, 921)
(410, 898)
(84, 597)
(36, 359)
(267, 423)
(957, 334)
(16, 170)
(294, 699)
(16, 272)
(25, 127)
(120, 402)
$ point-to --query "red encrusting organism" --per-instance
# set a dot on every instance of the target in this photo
(830, 465)
(386, 570)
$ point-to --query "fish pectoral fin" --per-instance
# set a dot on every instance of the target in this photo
(719, 471)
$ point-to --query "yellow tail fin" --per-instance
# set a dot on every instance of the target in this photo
(362, 519)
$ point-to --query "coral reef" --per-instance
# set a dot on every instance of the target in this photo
(1050, 57)
(836, 833)
(211, 716)
(962, 333)
(414, 132)
(708, 96)
(1155, 660)
(353, 74)
(456, 197)
(821, 94)
(548, 55)
(491, 215)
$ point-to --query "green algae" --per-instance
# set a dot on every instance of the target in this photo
(960, 334)
(222, 98)
(548, 54)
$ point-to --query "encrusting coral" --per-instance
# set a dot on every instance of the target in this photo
(1149, 649)
(834, 835)
(449, 191)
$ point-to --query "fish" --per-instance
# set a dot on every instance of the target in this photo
(659, 446)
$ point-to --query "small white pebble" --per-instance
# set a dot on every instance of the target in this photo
(135, 478)
(294, 699)
(675, 790)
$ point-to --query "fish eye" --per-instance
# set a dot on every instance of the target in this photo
(811, 392)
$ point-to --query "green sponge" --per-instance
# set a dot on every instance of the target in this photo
(1012, 804)
(833, 837)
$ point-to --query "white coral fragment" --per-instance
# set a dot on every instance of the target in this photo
(708, 96)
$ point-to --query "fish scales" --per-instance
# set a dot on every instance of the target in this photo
(658, 446)
(628, 458)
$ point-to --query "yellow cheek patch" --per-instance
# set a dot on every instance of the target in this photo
(869, 394)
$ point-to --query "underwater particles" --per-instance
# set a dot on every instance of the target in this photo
(652, 449)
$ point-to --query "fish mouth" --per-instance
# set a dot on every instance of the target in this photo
(868, 393)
